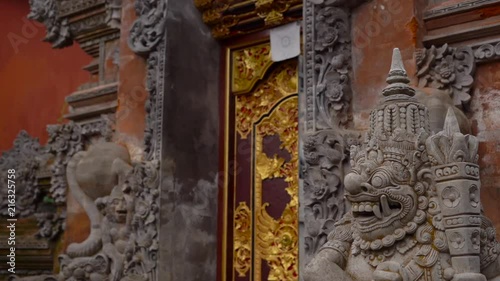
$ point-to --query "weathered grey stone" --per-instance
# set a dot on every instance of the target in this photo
(189, 188)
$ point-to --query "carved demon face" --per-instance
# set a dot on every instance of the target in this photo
(383, 202)
(117, 209)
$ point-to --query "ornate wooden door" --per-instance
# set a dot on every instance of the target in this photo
(259, 218)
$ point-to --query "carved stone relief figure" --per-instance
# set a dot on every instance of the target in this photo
(414, 196)
(96, 178)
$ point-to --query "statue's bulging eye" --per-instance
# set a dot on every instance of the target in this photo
(380, 180)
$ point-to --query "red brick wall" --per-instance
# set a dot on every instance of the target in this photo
(485, 118)
(378, 27)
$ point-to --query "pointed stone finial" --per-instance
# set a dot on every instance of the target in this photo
(397, 78)
(397, 72)
(451, 125)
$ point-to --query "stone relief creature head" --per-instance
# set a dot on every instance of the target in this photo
(39, 9)
(384, 187)
(114, 207)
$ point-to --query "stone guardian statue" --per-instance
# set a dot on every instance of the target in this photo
(415, 209)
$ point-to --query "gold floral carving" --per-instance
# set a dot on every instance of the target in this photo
(276, 241)
(272, 11)
(242, 239)
(282, 82)
(233, 17)
(250, 65)
(269, 167)
(266, 104)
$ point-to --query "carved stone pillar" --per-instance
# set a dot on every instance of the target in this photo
(454, 160)
(326, 114)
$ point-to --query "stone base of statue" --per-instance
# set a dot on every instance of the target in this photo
(469, 277)
(323, 269)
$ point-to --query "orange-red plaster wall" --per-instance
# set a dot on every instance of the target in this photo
(34, 78)
(378, 27)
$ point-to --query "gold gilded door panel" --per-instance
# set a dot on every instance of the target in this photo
(259, 220)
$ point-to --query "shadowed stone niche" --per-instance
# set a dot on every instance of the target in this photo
(414, 196)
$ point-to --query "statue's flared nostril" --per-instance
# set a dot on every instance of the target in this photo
(353, 183)
(364, 187)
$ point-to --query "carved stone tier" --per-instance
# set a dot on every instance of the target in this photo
(92, 102)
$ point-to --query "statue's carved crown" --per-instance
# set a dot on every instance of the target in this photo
(399, 126)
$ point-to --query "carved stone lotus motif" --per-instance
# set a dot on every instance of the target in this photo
(447, 68)
(415, 211)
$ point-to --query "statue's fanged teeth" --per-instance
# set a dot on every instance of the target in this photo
(386, 210)
(382, 208)
(376, 211)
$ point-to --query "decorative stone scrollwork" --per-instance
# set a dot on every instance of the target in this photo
(143, 183)
(148, 30)
(24, 158)
(154, 104)
(96, 268)
(487, 52)
(45, 12)
(327, 51)
(50, 224)
(28, 158)
(447, 68)
(332, 54)
(65, 141)
(322, 167)
(141, 256)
